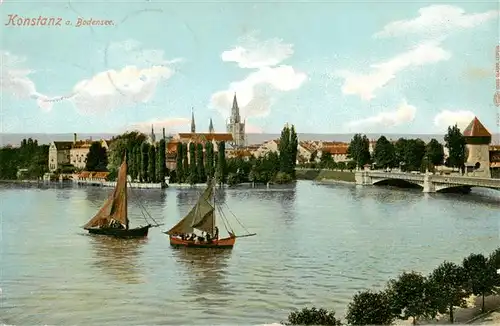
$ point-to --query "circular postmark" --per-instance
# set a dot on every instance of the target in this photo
(496, 98)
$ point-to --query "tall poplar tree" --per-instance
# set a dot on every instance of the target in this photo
(144, 162)
(193, 177)
(162, 166)
(359, 150)
(209, 159)
(294, 148)
(152, 164)
(200, 166)
(137, 160)
(179, 166)
(221, 162)
(185, 162)
(455, 142)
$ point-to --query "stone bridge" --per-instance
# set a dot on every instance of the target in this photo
(428, 182)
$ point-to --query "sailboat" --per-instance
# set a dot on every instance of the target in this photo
(112, 218)
(202, 217)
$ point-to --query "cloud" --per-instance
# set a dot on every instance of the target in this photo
(255, 92)
(436, 20)
(111, 89)
(447, 118)
(140, 73)
(365, 85)
(405, 113)
(143, 70)
(15, 81)
(251, 53)
(170, 124)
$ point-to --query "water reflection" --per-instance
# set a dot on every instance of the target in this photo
(146, 196)
(483, 196)
(118, 257)
(97, 195)
(206, 270)
(221, 195)
(390, 196)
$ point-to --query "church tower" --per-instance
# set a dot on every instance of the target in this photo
(152, 136)
(211, 127)
(478, 140)
(235, 126)
(193, 125)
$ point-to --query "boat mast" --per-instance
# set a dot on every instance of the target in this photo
(125, 195)
(213, 220)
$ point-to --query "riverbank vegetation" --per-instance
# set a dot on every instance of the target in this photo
(325, 174)
(405, 154)
(28, 161)
(415, 296)
(145, 164)
(197, 162)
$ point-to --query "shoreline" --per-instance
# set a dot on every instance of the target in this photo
(138, 185)
(469, 315)
(326, 176)
(334, 181)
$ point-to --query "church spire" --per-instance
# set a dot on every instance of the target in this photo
(193, 125)
(211, 127)
(153, 137)
(235, 111)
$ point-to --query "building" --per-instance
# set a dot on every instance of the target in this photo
(495, 161)
(235, 126)
(336, 149)
(267, 147)
(195, 137)
(59, 154)
(66, 153)
(478, 140)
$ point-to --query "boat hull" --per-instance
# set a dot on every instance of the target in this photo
(226, 243)
(140, 232)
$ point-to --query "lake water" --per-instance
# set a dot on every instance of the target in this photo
(315, 245)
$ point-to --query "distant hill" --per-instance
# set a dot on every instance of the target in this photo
(15, 139)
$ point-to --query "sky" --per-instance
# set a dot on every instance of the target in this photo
(326, 67)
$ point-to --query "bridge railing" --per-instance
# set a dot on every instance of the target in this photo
(455, 180)
(467, 181)
(396, 175)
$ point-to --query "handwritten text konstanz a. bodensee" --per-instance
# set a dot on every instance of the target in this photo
(15, 20)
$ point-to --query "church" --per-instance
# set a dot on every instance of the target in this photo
(234, 137)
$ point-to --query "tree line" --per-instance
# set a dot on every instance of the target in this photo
(146, 162)
(197, 162)
(29, 156)
(413, 295)
(406, 154)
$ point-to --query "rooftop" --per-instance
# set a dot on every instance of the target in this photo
(476, 129)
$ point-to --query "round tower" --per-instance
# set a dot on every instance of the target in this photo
(478, 140)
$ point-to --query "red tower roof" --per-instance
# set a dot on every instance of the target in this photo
(476, 129)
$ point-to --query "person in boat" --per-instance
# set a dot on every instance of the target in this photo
(192, 237)
(102, 223)
(216, 235)
(116, 225)
(208, 238)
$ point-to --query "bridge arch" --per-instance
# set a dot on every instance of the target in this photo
(399, 183)
(460, 188)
